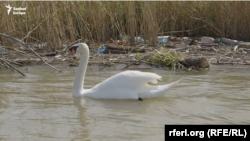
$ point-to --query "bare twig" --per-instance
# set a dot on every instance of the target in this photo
(13, 62)
(209, 24)
(104, 66)
(184, 30)
(4, 66)
(22, 43)
(112, 18)
(8, 66)
(33, 29)
(12, 67)
(24, 53)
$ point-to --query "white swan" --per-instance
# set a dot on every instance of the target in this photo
(124, 85)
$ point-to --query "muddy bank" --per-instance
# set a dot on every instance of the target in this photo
(216, 55)
(174, 54)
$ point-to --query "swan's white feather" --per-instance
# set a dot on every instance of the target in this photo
(129, 80)
(129, 85)
(124, 85)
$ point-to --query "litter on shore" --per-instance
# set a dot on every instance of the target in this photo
(190, 53)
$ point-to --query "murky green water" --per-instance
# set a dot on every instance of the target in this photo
(41, 106)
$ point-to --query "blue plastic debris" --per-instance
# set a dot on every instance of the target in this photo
(2, 49)
(101, 50)
(162, 41)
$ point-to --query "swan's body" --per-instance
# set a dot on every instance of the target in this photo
(124, 85)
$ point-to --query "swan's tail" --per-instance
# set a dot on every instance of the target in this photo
(156, 91)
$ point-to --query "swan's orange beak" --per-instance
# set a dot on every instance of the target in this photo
(71, 52)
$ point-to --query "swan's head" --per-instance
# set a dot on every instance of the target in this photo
(78, 48)
(73, 50)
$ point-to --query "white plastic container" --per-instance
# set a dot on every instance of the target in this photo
(185, 39)
(139, 40)
(162, 37)
(207, 40)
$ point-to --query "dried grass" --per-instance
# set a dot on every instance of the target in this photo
(98, 21)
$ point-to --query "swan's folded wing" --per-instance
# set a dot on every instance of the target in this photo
(128, 80)
(130, 85)
(156, 91)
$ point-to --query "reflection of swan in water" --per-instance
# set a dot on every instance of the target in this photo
(90, 104)
(130, 106)
(82, 117)
(106, 118)
(124, 85)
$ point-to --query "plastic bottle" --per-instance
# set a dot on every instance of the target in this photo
(207, 40)
(229, 41)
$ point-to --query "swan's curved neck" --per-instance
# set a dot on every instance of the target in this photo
(80, 75)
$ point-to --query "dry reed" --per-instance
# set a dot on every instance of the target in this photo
(97, 21)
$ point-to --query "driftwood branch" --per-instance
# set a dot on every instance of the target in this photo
(3, 66)
(25, 45)
(13, 62)
(12, 67)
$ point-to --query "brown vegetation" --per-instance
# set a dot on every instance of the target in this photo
(97, 21)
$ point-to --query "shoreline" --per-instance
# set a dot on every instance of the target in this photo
(15, 57)
(216, 55)
(171, 52)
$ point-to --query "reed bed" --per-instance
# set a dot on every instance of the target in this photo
(57, 23)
